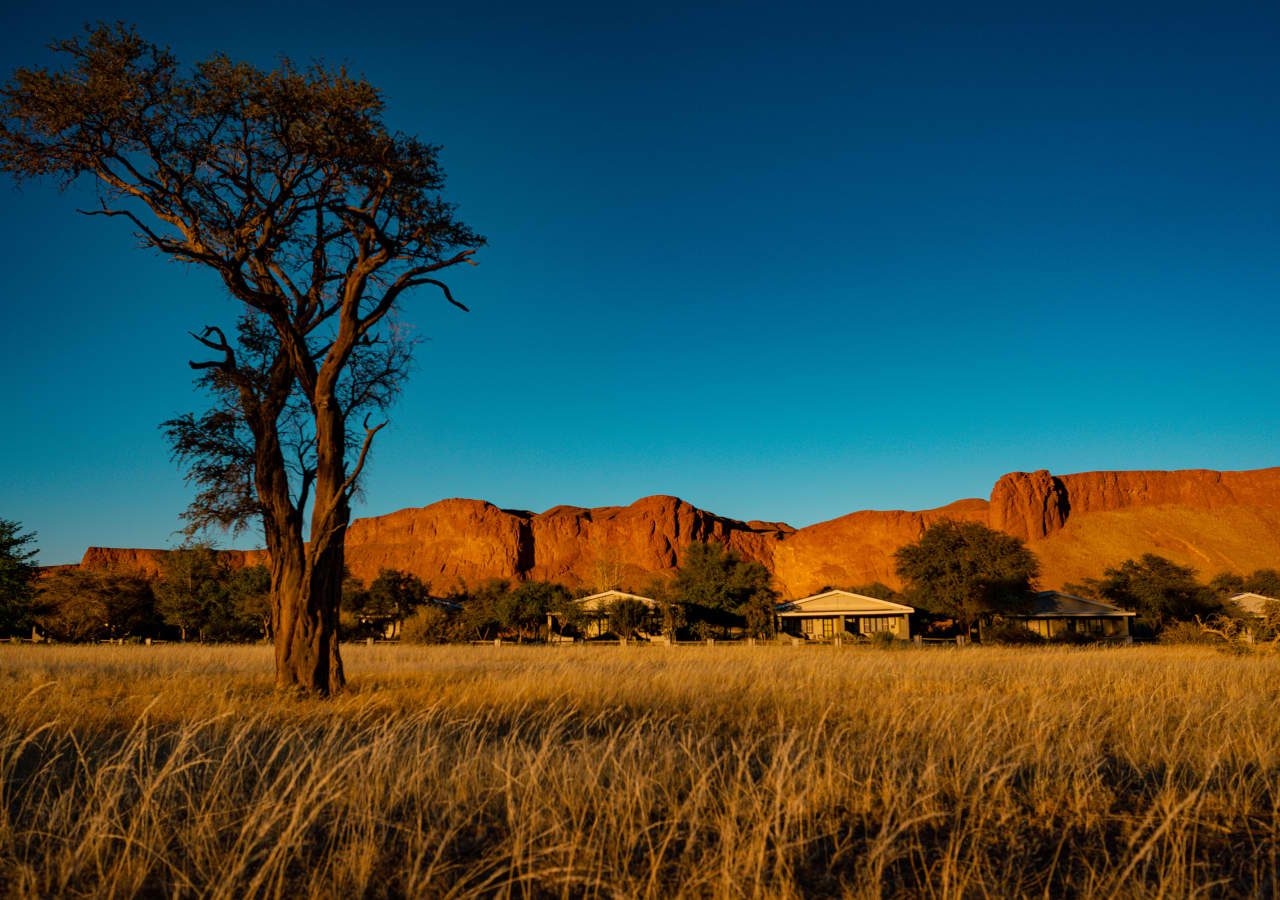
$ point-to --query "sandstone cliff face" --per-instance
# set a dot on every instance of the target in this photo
(857, 548)
(148, 562)
(444, 543)
(465, 541)
(1076, 524)
(1195, 488)
(632, 543)
(1029, 505)
(145, 562)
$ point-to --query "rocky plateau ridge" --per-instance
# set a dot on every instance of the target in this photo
(1077, 525)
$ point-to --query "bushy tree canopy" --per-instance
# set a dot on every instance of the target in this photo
(250, 591)
(17, 577)
(191, 592)
(968, 571)
(1265, 582)
(711, 579)
(1158, 589)
(394, 595)
(84, 605)
(627, 617)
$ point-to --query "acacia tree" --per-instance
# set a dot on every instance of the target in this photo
(317, 219)
(1158, 589)
(712, 579)
(191, 592)
(76, 604)
(968, 571)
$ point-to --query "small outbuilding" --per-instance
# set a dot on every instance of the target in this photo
(1258, 606)
(1054, 613)
(844, 615)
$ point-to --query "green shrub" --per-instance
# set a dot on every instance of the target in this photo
(429, 624)
(1187, 633)
(1011, 633)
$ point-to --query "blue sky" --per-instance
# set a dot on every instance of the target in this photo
(782, 261)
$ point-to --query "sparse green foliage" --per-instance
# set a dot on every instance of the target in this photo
(757, 612)
(84, 605)
(627, 617)
(712, 582)
(672, 612)
(430, 623)
(497, 607)
(395, 594)
(570, 617)
(250, 591)
(383, 605)
(1226, 584)
(1265, 582)
(191, 592)
(1159, 590)
(968, 571)
(716, 578)
(1011, 633)
(17, 577)
(527, 607)
(483, 608)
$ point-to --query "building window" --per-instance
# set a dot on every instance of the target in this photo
(1039, 626)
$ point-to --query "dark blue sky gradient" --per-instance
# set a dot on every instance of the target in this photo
(782, 261)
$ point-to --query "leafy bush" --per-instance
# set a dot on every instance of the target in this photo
(1011, 633)
(627, 617)
(429, 624)
(1187, 633)
(86, 605)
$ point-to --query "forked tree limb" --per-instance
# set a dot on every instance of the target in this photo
(364, 453)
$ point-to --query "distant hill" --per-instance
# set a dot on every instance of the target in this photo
(1077, 525)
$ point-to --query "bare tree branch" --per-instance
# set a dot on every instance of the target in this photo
(364, 452)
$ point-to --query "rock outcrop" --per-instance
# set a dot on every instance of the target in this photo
(1029, 505)
(148, 562)
(1077, 525)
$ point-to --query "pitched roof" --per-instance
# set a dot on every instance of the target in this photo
(840, 603)
(1056, 604)
(596, 601)
(1253, 604)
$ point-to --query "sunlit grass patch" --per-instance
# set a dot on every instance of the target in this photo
(643, 771)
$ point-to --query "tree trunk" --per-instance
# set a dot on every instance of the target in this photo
(306, 586)
(307, 653)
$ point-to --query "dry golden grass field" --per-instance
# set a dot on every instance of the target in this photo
(642, 772)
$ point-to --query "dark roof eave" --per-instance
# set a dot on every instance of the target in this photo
(1101, 614)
